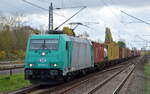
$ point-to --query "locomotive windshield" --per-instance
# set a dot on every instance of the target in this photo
(51, 44)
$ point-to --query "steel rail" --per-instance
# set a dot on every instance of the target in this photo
(25, 90)
(116, 91)
(86, 80)
(105, 81)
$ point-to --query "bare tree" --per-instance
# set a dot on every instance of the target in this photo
(13, 20)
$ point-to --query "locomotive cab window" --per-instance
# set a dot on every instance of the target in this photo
(51, 44)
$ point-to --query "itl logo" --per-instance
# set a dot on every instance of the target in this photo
(42, 60)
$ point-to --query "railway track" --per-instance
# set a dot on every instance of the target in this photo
(71, 89)
(96, 88)
(70, 86)
(99, 88)
(64, 90)
(119, 87)
(26, 90)
(35, 89)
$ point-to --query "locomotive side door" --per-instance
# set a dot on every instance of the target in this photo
(68, 48)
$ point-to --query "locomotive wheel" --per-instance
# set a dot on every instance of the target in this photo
(83, 72)
(68, 77)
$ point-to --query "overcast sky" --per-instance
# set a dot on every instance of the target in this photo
(105, 12)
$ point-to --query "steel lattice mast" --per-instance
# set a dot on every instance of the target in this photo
(50, 18)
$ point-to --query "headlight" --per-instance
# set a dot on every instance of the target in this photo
(43, 53)
(55, 65)
(30, 65)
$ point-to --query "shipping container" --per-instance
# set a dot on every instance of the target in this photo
(113, 51)
(136, 53)
(139, 53)
(123, 52)
(120, 53)
(98, 52)
(130, 53)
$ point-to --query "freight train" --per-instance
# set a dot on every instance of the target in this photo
(54, 57)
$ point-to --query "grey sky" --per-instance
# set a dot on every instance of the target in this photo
(13, 6)
(106, 12)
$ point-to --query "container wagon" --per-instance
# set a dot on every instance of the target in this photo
(99, 55)
(113, 52)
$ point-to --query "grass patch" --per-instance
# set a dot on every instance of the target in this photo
(10, 83)
(147, 72)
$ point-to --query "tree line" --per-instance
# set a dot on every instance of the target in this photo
(13, 36)
(13, 42)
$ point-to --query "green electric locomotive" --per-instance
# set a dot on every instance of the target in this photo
(57, 56)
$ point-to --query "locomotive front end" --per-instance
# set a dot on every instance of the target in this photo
(44, 57)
